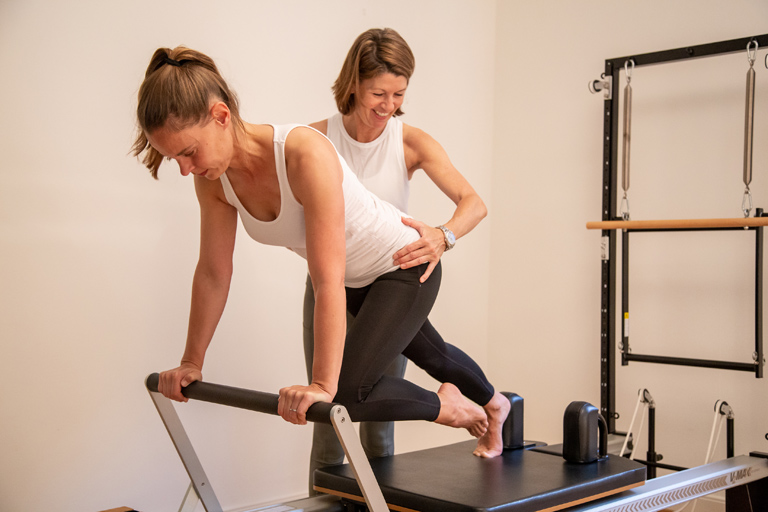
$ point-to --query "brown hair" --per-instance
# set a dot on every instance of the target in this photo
(178, 88)
(375, 51)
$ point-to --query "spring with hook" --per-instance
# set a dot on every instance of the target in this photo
(749, 123)
(627, 138)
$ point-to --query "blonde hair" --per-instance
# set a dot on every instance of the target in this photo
(177, 91)
(375, 51)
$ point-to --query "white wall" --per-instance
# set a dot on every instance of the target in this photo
(97, 258)
(691, 295)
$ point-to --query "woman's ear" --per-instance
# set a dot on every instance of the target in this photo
(221, 114)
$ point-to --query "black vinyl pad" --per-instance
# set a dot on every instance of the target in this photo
(451, 479)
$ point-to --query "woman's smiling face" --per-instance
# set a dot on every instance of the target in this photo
(378, 98)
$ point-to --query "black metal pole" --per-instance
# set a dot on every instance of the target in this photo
(699, 363)
(759, 298)
(730, 438)
(624, 297)
(693, 52)
(608, 272)
(661, 465)
(651, 454)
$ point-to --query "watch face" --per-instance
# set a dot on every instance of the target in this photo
(450, 238)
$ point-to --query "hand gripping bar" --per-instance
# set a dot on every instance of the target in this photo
(258, 401)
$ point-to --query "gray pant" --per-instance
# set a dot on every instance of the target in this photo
(377, 437)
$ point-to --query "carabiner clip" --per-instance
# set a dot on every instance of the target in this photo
(746, 203)
(624, 209)
(752, 52)
(628, 70)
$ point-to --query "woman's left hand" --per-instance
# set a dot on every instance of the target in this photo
(427, 249)
(294, 401)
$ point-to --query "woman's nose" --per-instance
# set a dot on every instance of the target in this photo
(185, 168)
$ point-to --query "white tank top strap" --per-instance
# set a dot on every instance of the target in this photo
(379, 164)
(283, 230)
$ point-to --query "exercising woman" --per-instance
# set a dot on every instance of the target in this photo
(290, 188)
(385, 153)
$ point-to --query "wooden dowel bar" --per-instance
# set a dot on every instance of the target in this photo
(680, 223)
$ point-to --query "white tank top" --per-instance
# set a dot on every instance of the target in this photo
(373, 229)
(379, 164)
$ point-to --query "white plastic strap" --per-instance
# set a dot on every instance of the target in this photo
(632, 423)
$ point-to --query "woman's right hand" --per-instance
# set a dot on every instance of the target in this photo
(294, 401)
(171, 381)
(427, 249)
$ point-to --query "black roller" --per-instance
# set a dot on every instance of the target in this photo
(242, 398)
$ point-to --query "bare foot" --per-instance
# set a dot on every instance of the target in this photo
(497, 410)
(458, 412)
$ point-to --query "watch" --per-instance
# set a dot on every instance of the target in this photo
(450, 238)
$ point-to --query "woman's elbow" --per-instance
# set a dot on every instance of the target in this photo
(481, 209)
(220, 273)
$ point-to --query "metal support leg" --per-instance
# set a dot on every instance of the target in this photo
(191, 499)
(200, 489)
(200, 485)
(358, 460)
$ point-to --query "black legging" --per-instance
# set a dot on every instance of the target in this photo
(389, 316)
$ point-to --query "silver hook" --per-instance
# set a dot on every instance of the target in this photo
(752, 52)
(624, 208)
(746, 203)
(629, 70)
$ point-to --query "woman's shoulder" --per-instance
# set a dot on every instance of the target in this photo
(306, 133)
(416, 139)
(321, 126)
(307, 140)
(295, 134)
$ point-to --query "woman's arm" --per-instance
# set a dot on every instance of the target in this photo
(424, 152)
(210, 285)
(316, 177)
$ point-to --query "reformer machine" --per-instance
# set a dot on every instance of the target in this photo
(611, 225)
(443, 479)
(527, 477)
